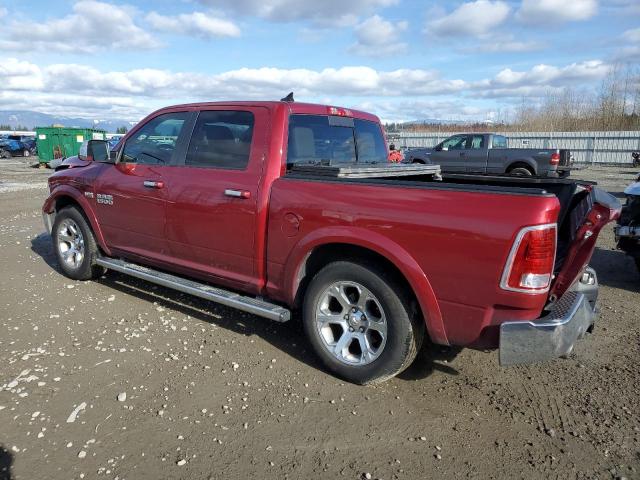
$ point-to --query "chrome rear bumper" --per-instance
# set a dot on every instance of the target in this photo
(554, 334)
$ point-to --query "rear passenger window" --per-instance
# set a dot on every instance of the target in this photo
(221, 139)
(477, 142)
(499, 141)
(156, 140)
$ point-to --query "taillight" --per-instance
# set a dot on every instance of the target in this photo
(529, 267)
(555, 159)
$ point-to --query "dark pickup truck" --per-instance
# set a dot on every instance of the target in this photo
(240, 203)
(488, 153)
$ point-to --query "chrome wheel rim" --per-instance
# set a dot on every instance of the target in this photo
(351, 323)
(70, 243)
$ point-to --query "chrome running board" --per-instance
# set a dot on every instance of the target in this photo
(197, 289)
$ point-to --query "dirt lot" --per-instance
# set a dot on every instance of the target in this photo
(213, 393)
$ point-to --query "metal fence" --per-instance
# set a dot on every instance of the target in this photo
(606, 148)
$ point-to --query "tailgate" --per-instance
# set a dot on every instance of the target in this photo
(565, 158)
(590, 210)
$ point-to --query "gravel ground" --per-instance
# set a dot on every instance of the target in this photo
(119, 379)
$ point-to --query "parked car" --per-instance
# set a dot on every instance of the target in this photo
(627, 231)
(17, 146)
(240, 203)
(488, 153)
(113, 141)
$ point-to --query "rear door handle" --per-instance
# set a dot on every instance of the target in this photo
(153, 184)
(237, 193)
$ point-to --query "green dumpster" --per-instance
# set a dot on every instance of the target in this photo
(62, 142)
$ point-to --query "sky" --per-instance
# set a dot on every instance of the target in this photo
(399, 59)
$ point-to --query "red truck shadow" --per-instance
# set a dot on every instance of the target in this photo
(6, 459)
(287, 337)
(615, 269)
(431, 358)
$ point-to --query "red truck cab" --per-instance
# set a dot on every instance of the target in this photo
(238, 202)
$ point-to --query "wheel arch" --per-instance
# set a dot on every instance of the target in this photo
(525, 163)
(65, 196)
(310, 256)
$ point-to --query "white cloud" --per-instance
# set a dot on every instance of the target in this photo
(85, 91)
(93, 25)
(556, 11)
(325, 12)
(249, 82)
(629, 48)
(632, 35)
(473, 18)
(199, 24)
(623, 7)
(20, 75)
(402, 111)
(378, 37)
(496, 45)
(541, 79)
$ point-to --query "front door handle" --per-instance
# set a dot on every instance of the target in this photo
(153, 184)
(237, 193)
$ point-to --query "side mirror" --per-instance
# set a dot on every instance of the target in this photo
(98, 151)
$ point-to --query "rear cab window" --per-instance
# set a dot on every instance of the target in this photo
(334, 140)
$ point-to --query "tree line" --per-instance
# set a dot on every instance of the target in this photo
(17, 128)
(614, 105)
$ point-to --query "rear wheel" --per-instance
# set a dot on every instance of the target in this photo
(75, 246)
(358, 320)
(520, 172)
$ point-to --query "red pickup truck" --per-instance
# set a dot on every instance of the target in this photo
(240, 203)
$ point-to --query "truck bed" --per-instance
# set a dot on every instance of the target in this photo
(574, 196)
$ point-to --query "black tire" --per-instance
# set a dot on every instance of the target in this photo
(418, 160)
(521, 172)
(637, 260)
(86, 268)
(404, 331)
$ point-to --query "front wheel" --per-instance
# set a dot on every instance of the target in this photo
(359, 322)
(25, 153)
(75, 246)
